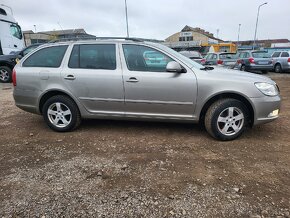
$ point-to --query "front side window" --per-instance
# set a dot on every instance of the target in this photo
(47, 57)
(142, 58)
(15, 31)
(95, 56)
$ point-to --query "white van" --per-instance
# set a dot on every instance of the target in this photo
(11, 37)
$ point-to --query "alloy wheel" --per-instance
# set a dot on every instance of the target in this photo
(230, 121)
(59, 115)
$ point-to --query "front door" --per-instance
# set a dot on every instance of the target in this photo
(151, 91)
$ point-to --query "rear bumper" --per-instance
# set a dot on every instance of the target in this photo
(26, 100)
(264, 108)
(259, 67)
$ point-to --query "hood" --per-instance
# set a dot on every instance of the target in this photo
(220, 73)
(7, 57)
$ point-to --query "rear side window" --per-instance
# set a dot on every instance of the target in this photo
(285, 54)
(276, 54)
(50, 57)
(97, 56)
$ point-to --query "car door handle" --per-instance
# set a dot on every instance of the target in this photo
(132, 80)
(15, 46)
(70, 77)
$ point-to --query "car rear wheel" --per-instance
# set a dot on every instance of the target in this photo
(5, 74)
(243, 68)
(61, 113)
(278, 68)
(226, 119)
(264, 71)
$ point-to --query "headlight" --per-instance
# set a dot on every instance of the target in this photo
(267, 89)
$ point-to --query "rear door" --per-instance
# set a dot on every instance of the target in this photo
(151, 91)
(94, 77)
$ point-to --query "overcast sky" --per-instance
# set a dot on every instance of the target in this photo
(156, 18)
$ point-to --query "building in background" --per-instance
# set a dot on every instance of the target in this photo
(197, 39)
(47, 36)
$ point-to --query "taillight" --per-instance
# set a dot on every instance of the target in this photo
(288, 60)
(239, 61)
(219, 62)
(252, 60)
(14, 77)
(202, 61)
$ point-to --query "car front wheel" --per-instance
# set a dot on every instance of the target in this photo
(226, 119)
(61, 113)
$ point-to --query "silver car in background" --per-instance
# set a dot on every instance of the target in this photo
(120, 79)
(225, 59)
(281, 61)
(254, 61)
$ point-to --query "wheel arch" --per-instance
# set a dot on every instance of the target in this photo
(6, 64)
(232, 95)
(51, 93)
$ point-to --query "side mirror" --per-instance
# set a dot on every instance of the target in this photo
(173, 66)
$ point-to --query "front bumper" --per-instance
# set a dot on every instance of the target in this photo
(264, 108)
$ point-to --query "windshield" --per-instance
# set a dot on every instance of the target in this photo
(260, 55)
(187, 61)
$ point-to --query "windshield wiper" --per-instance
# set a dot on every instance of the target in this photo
(207, 68)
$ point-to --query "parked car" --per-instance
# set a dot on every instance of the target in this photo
(68, 81)
(193, 55)
(226, 59)
(7, 62)
(281, 61)
(153, 58)
(255, 61)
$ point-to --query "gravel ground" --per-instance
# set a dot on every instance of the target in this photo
(141, 169)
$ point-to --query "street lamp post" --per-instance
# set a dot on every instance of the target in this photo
(8, 7)
(254, 43)
(126, 10)
(239, 36)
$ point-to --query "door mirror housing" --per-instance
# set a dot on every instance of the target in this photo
(175, 67)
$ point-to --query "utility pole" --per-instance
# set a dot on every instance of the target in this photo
(126, 10)
(239, 36)
(35, 33)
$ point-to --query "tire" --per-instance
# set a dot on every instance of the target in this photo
(243, 68)
(5, 74)
(264, 71)
(61, 113)
(278, 68)
(221, 124)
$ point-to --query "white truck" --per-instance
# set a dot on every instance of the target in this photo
(11, 37)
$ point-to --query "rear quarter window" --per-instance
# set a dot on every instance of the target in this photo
(50, 57)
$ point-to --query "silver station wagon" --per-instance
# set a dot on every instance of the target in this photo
(135, 79)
